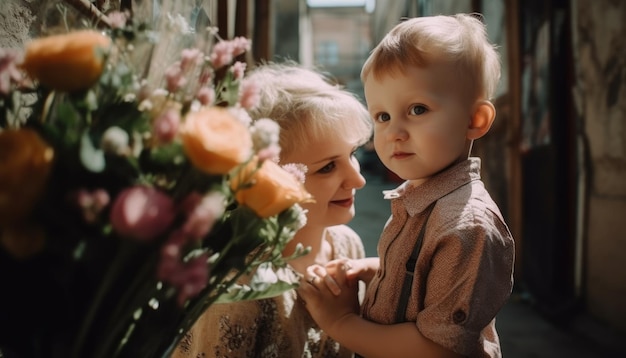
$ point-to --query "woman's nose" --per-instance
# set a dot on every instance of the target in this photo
(354, 179)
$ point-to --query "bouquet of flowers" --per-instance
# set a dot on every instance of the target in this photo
(133, 199)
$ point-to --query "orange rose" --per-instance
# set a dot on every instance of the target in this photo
(215, 141)
(25, 161)
(67, 62)
(272, 189)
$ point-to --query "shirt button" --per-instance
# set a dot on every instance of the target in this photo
(459, 316)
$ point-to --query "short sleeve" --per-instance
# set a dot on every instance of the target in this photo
(346, 242)
(469, 281)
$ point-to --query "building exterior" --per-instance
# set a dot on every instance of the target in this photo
(341, 41)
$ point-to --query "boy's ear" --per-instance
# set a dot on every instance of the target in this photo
(482, 118)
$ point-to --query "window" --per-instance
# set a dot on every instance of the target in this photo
(328, 53)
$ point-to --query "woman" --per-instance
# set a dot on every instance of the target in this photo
(321, 125)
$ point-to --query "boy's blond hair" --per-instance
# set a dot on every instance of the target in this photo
(307, 106)
(459, 39)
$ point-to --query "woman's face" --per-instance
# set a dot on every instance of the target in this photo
(332, 178)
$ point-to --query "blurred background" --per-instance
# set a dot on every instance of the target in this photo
(554, 160)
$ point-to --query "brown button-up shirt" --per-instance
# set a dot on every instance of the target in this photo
(464, 273)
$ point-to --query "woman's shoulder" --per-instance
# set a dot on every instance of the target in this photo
(343, 231)
(346, 242)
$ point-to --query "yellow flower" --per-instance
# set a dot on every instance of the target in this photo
(25, 161)
(271, 189)
(215, 141)
(67, 62)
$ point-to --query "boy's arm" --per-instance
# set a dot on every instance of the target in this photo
(338, 316)
(371, 339)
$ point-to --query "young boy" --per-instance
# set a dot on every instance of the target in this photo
(446, 254)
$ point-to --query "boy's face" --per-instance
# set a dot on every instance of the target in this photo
(421, 119)
(332, 178)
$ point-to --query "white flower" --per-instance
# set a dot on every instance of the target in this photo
(265, 133)
(294, 218)
(241, 114)
(115, 140)
(263, 277)
(178, 24)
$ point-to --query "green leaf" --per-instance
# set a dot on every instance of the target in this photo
(230, 89)
(266, 283)
(91, 157)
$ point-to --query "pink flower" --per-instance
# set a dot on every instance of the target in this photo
(238, 69)
(206, 96)
(298, 170)
(189, 278)
(91, 203)
(142, 213)
(117, 19)
(205, 77)
(165, 126)
(174, 77)
(190, 57)
(249, 94)
(196, 275)
(222, 54)
(203, 215)
(9, 74)
(240, 45)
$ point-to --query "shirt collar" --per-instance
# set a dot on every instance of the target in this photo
(416, 199)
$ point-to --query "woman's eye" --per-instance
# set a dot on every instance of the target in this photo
(327, 168)
(417, 110)
(382, 117)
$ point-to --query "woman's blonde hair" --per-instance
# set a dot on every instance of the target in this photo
(307, 106)
(459, 39)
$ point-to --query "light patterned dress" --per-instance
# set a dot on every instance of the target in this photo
(278, 327)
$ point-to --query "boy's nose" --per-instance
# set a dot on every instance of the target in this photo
(395, 131)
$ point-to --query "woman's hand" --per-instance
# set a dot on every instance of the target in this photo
(329, 298)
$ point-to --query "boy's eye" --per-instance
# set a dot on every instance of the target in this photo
(417, 110)
(382, 117)
(327, 168)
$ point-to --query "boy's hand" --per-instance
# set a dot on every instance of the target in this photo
(355, 270)
(325, 307)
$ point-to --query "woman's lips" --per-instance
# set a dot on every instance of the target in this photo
(346, 203)
(401, 155)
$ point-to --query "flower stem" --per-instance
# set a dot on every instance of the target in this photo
(108, 282)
